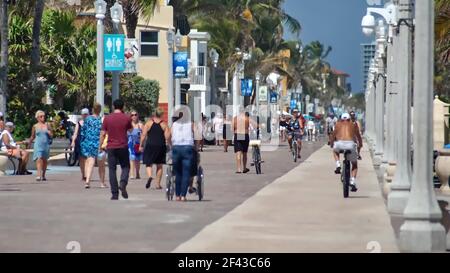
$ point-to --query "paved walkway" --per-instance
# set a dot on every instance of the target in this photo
(304, 211)
(44, 217)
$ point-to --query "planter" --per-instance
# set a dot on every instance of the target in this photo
(443, 170)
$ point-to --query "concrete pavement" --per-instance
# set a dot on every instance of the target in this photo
(45, 217)
(304, 211)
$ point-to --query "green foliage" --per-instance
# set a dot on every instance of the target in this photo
(140, 95)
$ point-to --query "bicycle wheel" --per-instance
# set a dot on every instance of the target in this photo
(258, 161)
(11, 167)
(200, 183)
(294, 151)
(346, 178)
(169, 186)
(70, 157)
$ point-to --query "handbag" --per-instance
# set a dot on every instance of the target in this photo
(136, 149)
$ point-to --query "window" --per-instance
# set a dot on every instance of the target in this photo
(149, 44)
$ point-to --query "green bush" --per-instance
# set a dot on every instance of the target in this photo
(140, 95)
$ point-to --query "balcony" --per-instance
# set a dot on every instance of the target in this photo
(198, 78)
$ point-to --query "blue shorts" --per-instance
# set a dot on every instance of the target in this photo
(296, 135)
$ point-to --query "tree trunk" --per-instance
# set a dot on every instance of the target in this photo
(36, 46)
(3, 55)
(131, 20)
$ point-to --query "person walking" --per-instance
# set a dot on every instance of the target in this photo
(199, 131)
(218, 128)
(134, 141)
(90, 143)
(42, 135)
(183, 149)
(116, 126)
(241, 128)
(155, 135)
(76, 142)
(227, 133)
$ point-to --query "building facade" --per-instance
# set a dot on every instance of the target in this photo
(367, 54)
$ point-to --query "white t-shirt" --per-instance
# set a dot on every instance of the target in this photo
(311, 125)
(11, 140)
(218, 125)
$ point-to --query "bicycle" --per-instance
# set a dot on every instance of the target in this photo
(256, 155)
(345, 173)
(294, 149)
(11, 167)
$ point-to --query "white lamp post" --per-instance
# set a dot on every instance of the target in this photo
(214, 56)
(178, 43)
(170, 101)
(422, 230)
(257, 78)
(100, 11)
(401, 183)
(116, 15)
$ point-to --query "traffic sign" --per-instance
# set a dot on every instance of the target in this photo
(114, 52)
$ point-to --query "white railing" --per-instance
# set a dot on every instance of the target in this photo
(198, 78)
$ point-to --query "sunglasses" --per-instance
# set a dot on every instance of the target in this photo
(134, 115)
(41, 116)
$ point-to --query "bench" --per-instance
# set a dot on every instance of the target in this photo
(5, 158)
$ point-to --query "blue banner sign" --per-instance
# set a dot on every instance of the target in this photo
(246, 87)
(273, 97)
(114, 52)
(180, 64)
(293, 104)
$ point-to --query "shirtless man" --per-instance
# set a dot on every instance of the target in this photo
(241, 127)
(345, 137)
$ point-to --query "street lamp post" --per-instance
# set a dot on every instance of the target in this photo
(178, 43)
(100, 11)
(401, 183)
(380, 91)
(214, 55)
(422, 230)
(170, 100)
(257, 78)
(116, 15)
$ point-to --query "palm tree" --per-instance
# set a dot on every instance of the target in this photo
(36, 46)
(3, 54)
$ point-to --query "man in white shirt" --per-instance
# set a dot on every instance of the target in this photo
(12, 148)
(311, 127)
(218, 128)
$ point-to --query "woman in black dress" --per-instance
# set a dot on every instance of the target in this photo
(154, 135)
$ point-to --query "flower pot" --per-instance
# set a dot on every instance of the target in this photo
(443, 170)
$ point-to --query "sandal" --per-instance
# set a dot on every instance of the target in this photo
(159, 188)
(87, 186)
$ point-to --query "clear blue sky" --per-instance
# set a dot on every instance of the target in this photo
(336, 23)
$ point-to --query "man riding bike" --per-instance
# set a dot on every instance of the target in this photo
(295, 130)
(346, 137)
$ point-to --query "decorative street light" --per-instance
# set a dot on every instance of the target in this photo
(422, 230)
(170, 102)
(401, 183)
(257, 78)
(178, 43)
(100, 11)
(214, 56)
(116, 15)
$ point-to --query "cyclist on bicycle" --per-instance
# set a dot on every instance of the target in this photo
(330, 123)
(346, 137)
(295, 130)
